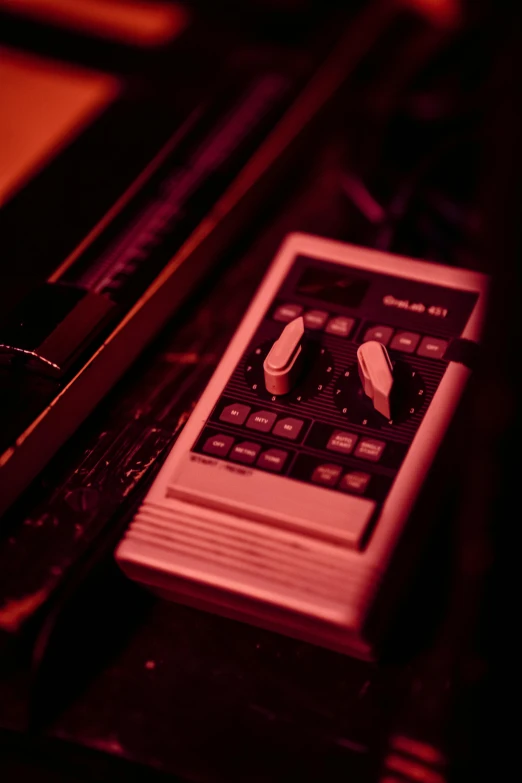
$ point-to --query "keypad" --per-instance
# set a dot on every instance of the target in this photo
(255, 445)
(328, 456)
(334, 476)
(321, 437)
(407, 342)
(342, 326)
(321, 472)
(339, 325)
(261, 420)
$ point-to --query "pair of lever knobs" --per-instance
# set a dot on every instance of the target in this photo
(283, 366)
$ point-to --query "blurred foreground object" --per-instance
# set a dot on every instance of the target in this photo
(129, 21)
(43, 105)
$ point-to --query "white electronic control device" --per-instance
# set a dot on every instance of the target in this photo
(284, 499)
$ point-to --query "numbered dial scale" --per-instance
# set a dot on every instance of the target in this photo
(284, 498)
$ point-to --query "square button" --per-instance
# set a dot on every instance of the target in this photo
(235, 413)
(355, 481)
(340, 325)
(432, 347)
(287, 312)
(261, 421)
(370, 449)
(328, 475)
(219, 445)
(405, 341)
(245, 452)
(288, 428)
(272, 459)
(342, 442)
(315, 319)
(382, 334)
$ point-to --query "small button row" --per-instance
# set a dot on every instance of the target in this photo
(245, 452)
(367, 448)
(261, 420)
(342, 326)
(330, 476)
(287, 427)
(407, 342)
(274, 460)
(315, 319)
(363, 446)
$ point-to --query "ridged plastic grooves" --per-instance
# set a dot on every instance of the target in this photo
(251, 552)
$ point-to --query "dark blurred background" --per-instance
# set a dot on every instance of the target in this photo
(416, 151)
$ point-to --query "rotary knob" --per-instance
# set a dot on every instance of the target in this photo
(283, 362)
(294, 368)
(378, 392)
(376, 374)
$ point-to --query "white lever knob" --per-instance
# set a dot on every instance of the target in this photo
(376, 374)
(283, 362)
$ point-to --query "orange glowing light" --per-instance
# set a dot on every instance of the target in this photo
(131, 21)
(44, 104)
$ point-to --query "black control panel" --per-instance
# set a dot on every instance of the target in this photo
(325, 431)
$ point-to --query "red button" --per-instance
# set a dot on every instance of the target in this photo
(326, 474)
(432, 347)
(355, 482)
(273, 459)
(370, 449)
(381, 334)
(405, 341)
